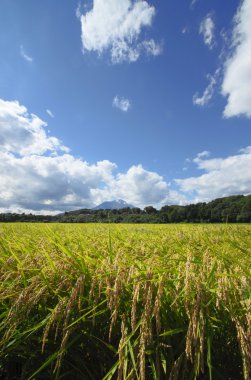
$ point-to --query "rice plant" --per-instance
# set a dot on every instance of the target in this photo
(125, 301)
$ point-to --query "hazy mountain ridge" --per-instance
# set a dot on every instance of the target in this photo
(116, 204)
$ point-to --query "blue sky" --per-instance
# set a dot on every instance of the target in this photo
(145, 101)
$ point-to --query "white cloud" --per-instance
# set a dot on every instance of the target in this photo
(221, 177)
(39, 175)
(115, 26)
(25, 56)
(151, 47)
(24, 133)
(246, 150)
(207, 28)
(209, 90)
(193, 2)
(50, 113)
(237, 76)
(49, 182)
(121, 103)
(139, 187)
(78, 11)
(185, 30)
(203, 154)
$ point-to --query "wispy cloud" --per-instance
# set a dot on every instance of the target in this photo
(207, 28)
(185, 30)
(201, 155)
(151, 47)
(78, 11)
(121, 103)
(193, 2)
(209, 90)
(25, 56)
(50, 113)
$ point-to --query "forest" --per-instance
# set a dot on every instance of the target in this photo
(232, 209)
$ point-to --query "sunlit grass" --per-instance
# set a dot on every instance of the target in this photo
(125, 301)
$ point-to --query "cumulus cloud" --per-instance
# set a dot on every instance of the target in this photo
(209, 90)
(221, 177)
(138, 185)
(246, 150)
(24, 55)
(49, 183)
(24, 133)
(236, 84)
(38, 174)
(116, 27)
(207, 28)
(121, 103)
(141, 188)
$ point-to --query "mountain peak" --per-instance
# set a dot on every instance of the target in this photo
(114, 204)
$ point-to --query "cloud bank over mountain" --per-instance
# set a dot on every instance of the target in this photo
(39, 174)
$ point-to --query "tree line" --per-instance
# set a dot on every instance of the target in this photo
(233, 209)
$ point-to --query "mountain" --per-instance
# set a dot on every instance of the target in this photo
(112, 205)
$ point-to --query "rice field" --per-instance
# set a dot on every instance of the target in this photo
(95, 301)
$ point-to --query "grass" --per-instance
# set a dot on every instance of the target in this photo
(125, 301)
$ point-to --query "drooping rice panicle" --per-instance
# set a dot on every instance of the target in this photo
(125, 301)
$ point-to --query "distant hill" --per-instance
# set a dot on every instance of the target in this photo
(232, 209)
(113, 205)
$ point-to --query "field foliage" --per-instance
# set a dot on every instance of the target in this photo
(125, 302)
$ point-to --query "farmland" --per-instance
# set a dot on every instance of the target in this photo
(95, 301)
